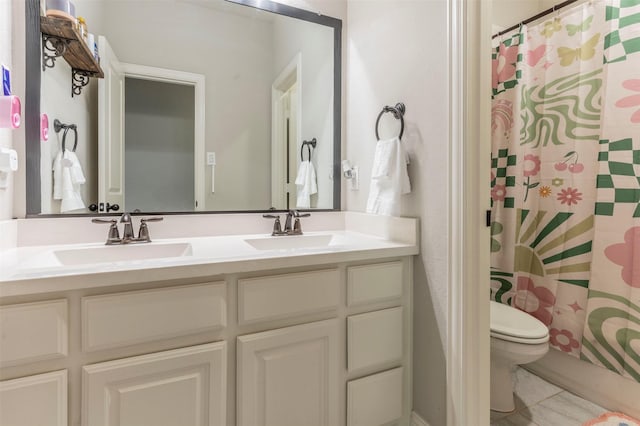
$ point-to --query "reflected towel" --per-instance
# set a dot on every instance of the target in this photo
(389, 178)
(67, 178)
(306, 184)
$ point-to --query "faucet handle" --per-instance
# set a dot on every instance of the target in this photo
(114, 236)
(277, 226)
(296, 213)
(98, 220)
(143, 232)
(152, 219)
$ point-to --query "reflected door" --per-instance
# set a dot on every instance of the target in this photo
(110, 128)
(285, 138)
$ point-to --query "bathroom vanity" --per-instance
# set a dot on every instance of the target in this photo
(227, 330)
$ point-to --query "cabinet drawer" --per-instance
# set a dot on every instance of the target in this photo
(135, 317)
(375, 400)
(33, 332)
(374, 283)
(273, 297)
(34, 400)
(374, 338)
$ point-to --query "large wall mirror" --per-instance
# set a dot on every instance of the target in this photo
(205, 105)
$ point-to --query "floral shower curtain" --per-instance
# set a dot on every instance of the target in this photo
(566, 179)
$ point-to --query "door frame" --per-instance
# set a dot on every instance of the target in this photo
(468, 345)
(278, 151)
(165, 75)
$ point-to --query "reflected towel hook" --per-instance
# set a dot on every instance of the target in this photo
(312, 143)
(58, 125)
(398, 112)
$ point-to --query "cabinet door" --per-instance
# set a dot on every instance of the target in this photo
(34, 400)
(185, 387)
(289, 376)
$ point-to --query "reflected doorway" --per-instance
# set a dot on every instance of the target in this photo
(159, 150)
(286, 138)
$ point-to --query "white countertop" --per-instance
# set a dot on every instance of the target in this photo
(37, 269)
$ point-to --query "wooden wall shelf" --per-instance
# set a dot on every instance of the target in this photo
(61, 38)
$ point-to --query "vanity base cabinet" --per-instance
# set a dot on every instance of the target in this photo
(185, 387)
(34, 400)
(289, 376)
(319, 345)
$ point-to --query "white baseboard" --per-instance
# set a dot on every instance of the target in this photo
(589, 381)
(416, 420)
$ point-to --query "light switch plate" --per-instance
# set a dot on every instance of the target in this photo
(211, 158)
(354, 182)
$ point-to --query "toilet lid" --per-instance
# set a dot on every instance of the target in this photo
(509, 323)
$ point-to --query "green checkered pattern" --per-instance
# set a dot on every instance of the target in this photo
(514, 40)
(500, 167)
(623, 38)
(622, 183)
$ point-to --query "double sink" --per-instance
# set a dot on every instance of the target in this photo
(162, 250)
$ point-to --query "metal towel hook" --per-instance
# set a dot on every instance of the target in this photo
(398, 112)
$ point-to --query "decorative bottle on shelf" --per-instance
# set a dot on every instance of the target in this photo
(82, 29)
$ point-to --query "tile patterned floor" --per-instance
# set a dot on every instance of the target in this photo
(540, 403)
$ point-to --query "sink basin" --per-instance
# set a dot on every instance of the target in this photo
(109, 254)
(290, 242)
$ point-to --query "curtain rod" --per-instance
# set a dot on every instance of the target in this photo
(536, 17)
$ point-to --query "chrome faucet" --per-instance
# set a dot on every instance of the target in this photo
(292, 225)
(128, 235)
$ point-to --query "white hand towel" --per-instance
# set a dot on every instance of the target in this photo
(77, 175)
(67, 178)
(57, 176)
(389, 178)
(306, 184)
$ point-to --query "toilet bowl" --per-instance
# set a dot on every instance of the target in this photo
(516, 338)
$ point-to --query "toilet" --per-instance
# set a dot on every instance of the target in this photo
(516, 338)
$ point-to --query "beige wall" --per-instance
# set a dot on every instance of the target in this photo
(510, 12)
(397, 52)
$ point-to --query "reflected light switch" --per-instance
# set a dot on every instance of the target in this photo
(211, 158)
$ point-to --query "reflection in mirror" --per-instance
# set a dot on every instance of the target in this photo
(204, 106)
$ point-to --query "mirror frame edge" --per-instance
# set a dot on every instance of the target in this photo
(32, 106)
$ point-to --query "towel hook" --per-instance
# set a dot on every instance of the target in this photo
(398, 112)
(312, 143)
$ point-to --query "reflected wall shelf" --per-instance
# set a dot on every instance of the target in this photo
(61, 38)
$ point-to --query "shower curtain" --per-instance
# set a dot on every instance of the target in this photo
(565, 181)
